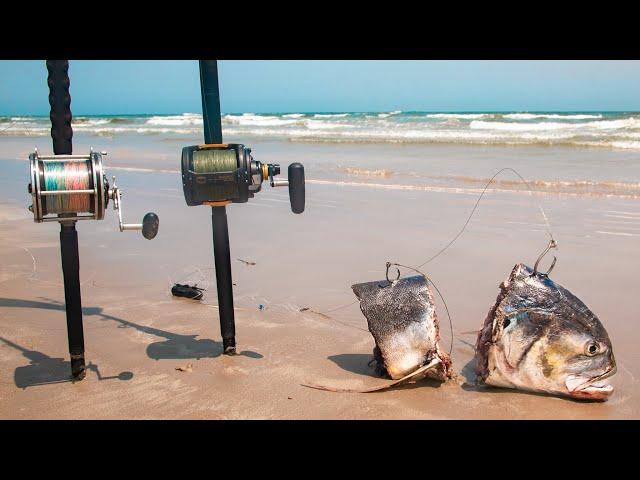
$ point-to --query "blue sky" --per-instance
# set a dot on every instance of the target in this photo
(129, 87)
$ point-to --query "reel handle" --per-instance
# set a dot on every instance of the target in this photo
(296, 187)
(150, 224)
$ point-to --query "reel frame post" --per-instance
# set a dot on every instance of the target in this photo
(221, 251)
(62, 134)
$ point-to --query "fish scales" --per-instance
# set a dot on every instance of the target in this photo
(402, 319)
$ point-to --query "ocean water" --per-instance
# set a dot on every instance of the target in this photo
(574, 153)
(609, 130)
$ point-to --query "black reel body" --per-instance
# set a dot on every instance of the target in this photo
(222, 173)
(216, 173)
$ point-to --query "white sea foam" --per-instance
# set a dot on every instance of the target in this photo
(176, 120)
(321, 124)
(619, 234)
(461, 116)
(389, 114)
(259, 120)
(331, 115)
(533, 116)
(628, 123)
(626, 145)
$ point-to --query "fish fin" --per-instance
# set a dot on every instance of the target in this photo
(422, 369)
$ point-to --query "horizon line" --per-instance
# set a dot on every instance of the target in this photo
(324, 112)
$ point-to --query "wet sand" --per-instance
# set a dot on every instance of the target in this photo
(136, 333)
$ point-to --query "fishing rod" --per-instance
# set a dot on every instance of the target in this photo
(67, 188)
(217, 174)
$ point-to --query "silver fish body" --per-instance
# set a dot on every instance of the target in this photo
(539, 337)
(402, 319)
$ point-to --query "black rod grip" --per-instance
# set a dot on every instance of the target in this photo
(60, 102)
(224, 283)
(210, 101)
(296, 187)
(71, 274)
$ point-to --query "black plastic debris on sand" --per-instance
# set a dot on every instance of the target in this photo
(187, 291)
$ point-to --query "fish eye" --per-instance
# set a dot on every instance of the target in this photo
(591, 348)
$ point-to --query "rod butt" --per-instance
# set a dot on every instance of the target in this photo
(78, 368)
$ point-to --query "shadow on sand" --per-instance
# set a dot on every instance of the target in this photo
(360, 363)
(44, 369)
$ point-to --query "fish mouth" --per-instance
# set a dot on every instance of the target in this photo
(594, 388)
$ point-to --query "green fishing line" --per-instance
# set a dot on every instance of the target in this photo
(214, 160)
(217, 160)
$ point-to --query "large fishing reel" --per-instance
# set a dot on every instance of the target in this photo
(66, 188)
(221, 173)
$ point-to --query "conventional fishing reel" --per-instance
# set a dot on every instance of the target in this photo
(217, 174)
(66, 188)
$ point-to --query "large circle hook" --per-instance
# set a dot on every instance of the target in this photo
(552, 244)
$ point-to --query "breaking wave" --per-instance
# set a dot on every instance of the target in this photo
(577, 129)
(532, 116)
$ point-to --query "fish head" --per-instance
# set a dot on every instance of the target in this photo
(543, 338)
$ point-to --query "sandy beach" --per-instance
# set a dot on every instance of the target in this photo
(366, 203)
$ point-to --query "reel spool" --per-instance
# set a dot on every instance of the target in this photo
(223, 173)
(66, 188)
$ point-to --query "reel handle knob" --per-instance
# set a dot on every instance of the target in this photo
(150, 224)
(296, 187)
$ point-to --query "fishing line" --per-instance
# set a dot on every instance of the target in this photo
(214, 160)
(68, 176)
(475, 207)
(552, 242)
(221, 160)
(219, 168)
(297, 309)
(343, 306)
(203, 278)
(33, 259)
(455, 238)
(33, 276)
